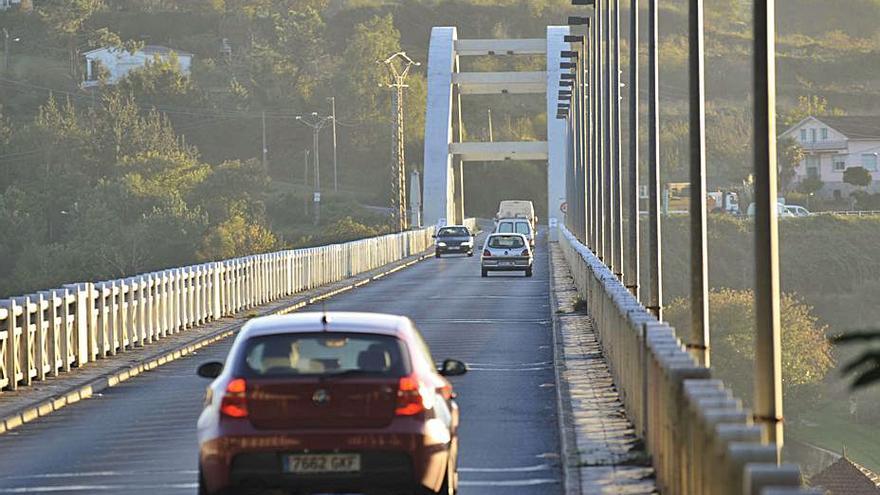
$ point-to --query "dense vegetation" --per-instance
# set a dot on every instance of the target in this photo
(88, 174)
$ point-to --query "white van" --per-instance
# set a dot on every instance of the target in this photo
(514, 208)
(516, 226)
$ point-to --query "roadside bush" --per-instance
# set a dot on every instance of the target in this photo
(806, 353)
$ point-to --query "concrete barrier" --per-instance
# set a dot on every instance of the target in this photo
(53, 331)
(700, 437)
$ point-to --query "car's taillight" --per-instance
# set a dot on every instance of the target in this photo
(234, 402)
(409, 398)
(486, 252)
(525, 252)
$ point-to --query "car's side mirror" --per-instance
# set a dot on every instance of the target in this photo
(210, 370)
(453, 367)
(434, 236)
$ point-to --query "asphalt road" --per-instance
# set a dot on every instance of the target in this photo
(139, 437)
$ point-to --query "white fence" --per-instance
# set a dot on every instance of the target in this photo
(49, 332)
(700, 437)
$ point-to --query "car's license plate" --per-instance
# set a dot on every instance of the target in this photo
(453, 248)
(323, 463)
(506, 263)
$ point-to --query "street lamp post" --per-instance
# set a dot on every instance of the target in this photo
(316, 123)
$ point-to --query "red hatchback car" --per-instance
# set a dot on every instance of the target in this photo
(329, 403)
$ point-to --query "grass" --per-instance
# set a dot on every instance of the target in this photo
(832, 428)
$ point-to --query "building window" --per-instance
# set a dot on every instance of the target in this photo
(824, 134)
(813, 135)
(837, 194)
(813, 166)
(839, 163)
(869, 161)
(803, 135)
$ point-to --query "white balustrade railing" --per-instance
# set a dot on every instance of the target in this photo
(48, 332)
(700, 437)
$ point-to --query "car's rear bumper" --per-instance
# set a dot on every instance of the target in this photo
(453, 249)
(506, 264)
(391, 458)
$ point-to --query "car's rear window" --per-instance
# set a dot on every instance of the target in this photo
(316, 354)
(523, 228)
(506, 241)
(454, 232)
(505, 227)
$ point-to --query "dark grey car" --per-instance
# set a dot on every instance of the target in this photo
(456, 239)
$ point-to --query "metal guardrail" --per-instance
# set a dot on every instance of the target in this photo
(701, 438)
(52, 331)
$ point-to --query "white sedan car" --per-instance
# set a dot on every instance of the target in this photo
(506, 252)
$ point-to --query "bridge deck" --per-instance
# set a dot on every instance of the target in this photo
(139, 437)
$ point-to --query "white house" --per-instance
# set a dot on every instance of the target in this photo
(833, 144)
(117, 63)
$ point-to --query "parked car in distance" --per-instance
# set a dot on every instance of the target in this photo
(329, 402)
(506, 252)
(512, 208)
(798, 211)
(516, 226)
(782, 211)
(453, 239)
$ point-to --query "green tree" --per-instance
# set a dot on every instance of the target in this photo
(68, 22)
(236, 237)
(857, 176)
(790, 154)
(806, 354)
(812, 105)
(161, 83)
(811, 185)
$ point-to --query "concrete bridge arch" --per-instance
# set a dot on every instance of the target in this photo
(446, 153)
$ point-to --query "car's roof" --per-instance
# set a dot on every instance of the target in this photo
(454, 226)
(337, 321)
(506, 234)
(513, 219)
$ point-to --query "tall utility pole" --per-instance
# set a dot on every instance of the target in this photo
(398, 66)
(316, 123)
(265, 149)
(332, 100)
(5, 51)
(306, 176)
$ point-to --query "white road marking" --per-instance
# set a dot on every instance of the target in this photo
(527, 482)
(478, 368)
(93, 474)
(512, 365)
(524, 469)
(93, 488)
